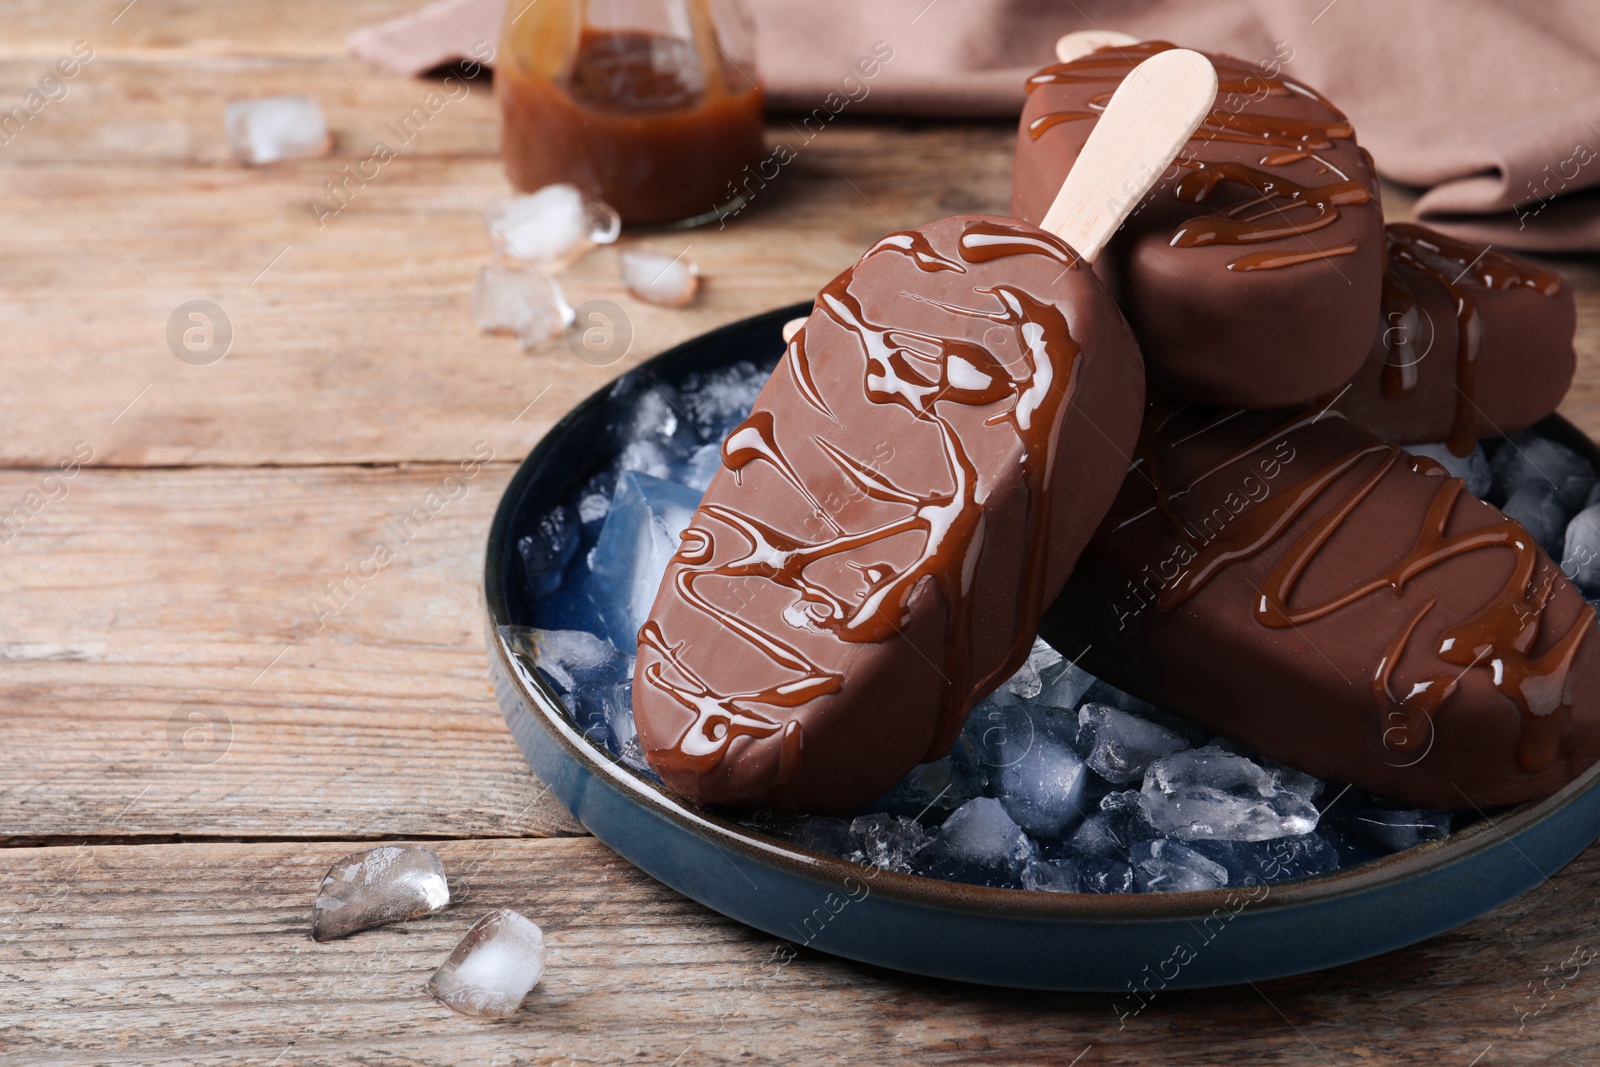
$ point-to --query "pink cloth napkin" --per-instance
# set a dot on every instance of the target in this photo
(1492, 105)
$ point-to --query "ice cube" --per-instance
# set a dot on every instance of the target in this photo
(1105, 875)
(886, 841)
(1472, 468)
(716, 401)
(1580, 557)
(825, 834)
(645, 426)
(522, 302)
(1285, 857)
(1395, 831)
(1026, 684)
(703, 465)
(1033, 769)
(980, 843)
(665, 281)
(548, 549)
(1120, 745)
(1212, 793)
(551, 228)
(1163, 866)
(1051, 876)
(381, 885)
(1102, 692)
(573, 659)
(1526, 458)
(593, 507)
(941, 786)
(274, 128)
(648, 516)
(603, 710)
(493, 968)
(1063, 685)
(1113, 830)
(1535, 506)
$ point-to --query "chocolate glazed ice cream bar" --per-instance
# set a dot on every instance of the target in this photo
(1321, 596)
(911, 489)
(1251, 273)
(1470, 342)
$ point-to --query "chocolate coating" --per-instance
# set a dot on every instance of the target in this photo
(1251, 271)
(1471, 341)
(913, 486)
(1312, 592)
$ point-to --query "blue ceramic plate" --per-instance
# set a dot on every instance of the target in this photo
(1039, 940)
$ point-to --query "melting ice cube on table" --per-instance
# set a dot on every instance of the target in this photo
(521, 302)
(648, 516)
(493, 968)
(270, 129)
(666, 281)
(379, 886)
(552, 227)
(1213, 793)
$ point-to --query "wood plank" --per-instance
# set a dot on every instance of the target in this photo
(198, 954)
(358, 345)
(144, 110)
(138, 598)
(172, 29)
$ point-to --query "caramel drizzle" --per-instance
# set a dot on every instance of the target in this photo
(1447, 262)
(1266, 217)
(916, 371)
(1498, 638)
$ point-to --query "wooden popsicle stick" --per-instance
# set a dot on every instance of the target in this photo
(792, 327)
(1148, 120)
(1070, 46)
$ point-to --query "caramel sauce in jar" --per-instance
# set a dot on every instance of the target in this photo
(658, 124)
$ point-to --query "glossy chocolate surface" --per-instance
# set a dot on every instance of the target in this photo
(911, 489)
(1251, 271)
(1322, 597)
(1470, 342)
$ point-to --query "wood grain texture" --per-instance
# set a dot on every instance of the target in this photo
(172, 29)
(359, 344)
(198, 954)
(139, 598)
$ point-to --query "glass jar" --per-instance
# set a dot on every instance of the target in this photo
(655, 106)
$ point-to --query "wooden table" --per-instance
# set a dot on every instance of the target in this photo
(186, 745)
